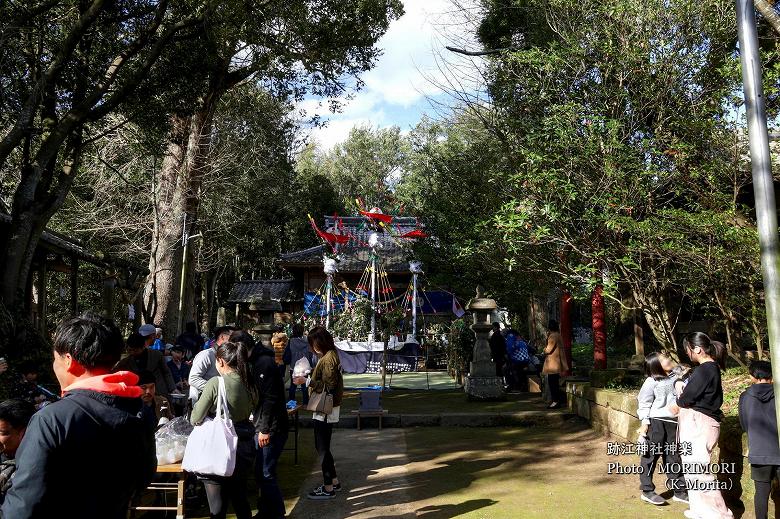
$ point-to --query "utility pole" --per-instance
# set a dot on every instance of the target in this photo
(185, 241)
(763, 187)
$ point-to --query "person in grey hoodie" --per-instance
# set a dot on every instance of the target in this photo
(204, 365)
(659, 429)
(757, 417)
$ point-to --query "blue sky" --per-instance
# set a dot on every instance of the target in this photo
(398, 89)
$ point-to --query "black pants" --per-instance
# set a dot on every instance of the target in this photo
(270, 499)
(554, 386)
(762, 476)
(516, 376)
(322, 435)
(222, 491)
(500, 367)
(664, 434)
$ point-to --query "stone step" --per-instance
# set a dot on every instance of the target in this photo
(527, 418)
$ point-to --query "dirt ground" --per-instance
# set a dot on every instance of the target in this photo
(494, 473)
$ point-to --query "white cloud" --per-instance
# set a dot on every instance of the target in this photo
(396, 88)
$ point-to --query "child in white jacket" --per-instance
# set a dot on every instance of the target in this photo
(659, 427)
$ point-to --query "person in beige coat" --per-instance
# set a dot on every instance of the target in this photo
(554, 363)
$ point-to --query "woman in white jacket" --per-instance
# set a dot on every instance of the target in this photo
(658, 433)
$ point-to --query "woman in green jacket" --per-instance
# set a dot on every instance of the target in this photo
(233, 367)
(326, 376)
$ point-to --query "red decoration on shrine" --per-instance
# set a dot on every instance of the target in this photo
(378, 216)
(415, 234)
(329, 237)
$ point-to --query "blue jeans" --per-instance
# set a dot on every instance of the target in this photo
(271, 502)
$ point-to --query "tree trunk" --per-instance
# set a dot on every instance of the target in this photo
(657, 317)
(161, 294)
(770, 14)
(599, 329)
(177, 194)
(39, 194)
(23, 237)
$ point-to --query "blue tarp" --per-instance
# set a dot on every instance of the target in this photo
(314, 303)
(429, 302)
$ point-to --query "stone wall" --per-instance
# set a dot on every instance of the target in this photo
(614, 413)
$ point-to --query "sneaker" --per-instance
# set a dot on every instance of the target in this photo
(652, 498)
(321, 493)
(690, 514)
(337, 487)
(682, 498)
(554, 405)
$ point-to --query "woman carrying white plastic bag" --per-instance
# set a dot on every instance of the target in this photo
(240, 396)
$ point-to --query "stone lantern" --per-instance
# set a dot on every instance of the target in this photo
(482, 382)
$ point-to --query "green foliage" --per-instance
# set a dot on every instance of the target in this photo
(460, 346)
(449, 182)
(354, 323)
(366, 165)
(611, 156)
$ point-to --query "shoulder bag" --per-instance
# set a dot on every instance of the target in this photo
(211, 447)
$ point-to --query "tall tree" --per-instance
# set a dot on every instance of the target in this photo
(64, 66)
(618, 119)
(294, 48)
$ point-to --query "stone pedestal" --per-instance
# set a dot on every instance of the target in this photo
(482, 382)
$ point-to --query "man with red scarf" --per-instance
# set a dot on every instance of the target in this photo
(85, 455)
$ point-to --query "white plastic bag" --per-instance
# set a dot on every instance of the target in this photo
(211, 448)
(301, 368)
(171, 439)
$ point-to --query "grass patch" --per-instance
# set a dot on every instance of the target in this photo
(503, 473)
(735, 380)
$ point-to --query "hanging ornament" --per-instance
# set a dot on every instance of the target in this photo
(373, 241)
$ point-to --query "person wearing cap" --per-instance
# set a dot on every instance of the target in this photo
(155, 406)
(140, 358)
(149, 333)
(180, 370)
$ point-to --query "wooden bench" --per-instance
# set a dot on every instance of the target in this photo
(370, 405)
(178, 487)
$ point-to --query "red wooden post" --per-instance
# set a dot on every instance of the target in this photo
(566, 328)
(599, 329)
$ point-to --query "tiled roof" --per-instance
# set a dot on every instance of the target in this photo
(260, 290)
(353, 256)
(59, 243)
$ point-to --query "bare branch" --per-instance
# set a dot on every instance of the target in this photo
(485, 52)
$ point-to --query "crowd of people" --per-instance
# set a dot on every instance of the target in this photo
(89, 452)
(92, 450)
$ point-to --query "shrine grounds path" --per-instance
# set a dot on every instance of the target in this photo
(536, 471)
(553, 467)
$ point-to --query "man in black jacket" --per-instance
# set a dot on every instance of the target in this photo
(758, 419)
(271, 424)
(498, 349)
(85, 455)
